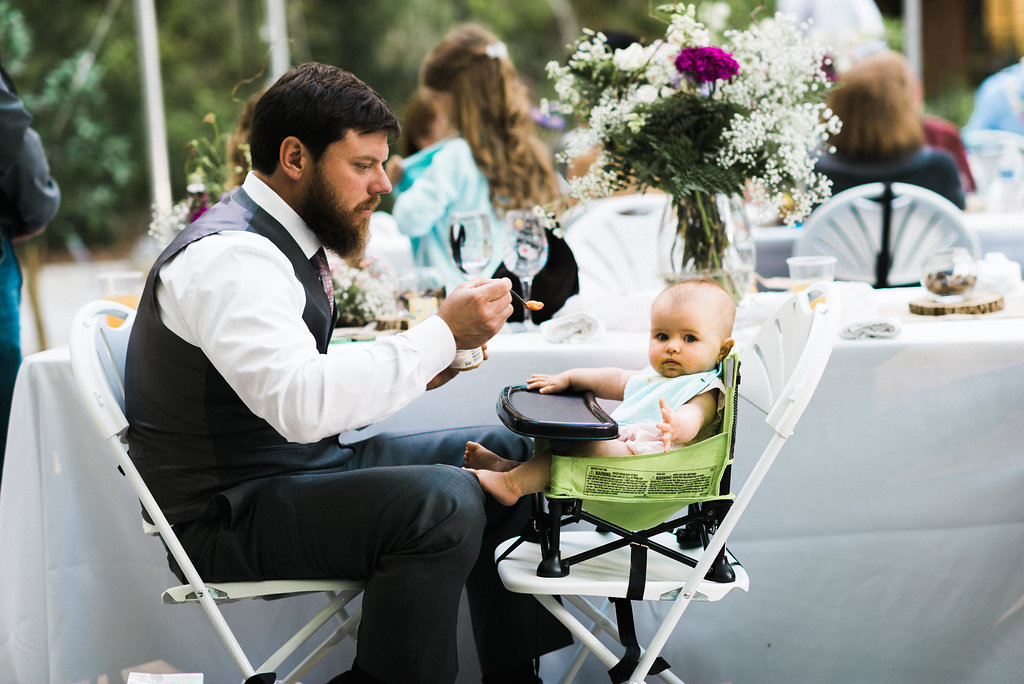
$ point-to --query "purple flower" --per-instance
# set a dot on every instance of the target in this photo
(706, 64)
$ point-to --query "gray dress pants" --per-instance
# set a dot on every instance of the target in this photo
(401, 516)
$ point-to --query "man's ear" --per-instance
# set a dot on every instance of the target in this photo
(293, 157)
(726, 348)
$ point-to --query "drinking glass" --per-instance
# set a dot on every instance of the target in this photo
(469, 242)
(469, 239)
(526, 250)
(949, 275)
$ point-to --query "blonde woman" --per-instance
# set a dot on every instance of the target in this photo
(879, 102)
(493, 162)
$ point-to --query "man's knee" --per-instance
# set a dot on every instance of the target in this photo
(452, 509)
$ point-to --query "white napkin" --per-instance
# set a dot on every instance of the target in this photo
(870, 328)
(571, 327)
(996, 273)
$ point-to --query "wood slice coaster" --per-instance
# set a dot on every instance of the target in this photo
(978, 303)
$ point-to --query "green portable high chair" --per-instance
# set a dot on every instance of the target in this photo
(677, 505)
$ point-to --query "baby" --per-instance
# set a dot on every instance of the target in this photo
(673, 402)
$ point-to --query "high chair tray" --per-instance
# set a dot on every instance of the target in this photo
(565, 416)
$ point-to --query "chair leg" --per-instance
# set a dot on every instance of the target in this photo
(688, 536)
(551, 561)
(696, 535)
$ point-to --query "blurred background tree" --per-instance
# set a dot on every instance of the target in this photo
(77, 66)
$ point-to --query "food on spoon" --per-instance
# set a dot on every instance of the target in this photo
(534, 305)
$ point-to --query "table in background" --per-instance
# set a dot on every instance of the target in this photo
(883, 547)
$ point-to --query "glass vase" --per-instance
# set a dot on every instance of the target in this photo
(706, 235)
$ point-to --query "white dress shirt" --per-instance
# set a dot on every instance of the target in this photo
(235, 296)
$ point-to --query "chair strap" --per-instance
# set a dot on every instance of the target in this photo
(637, 571)
(884, 259)
(262, 678)
(627, 637)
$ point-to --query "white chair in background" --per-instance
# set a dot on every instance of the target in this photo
(97, 360)
(882, 234)
(387, 245)
(615, 241)
(780, 370)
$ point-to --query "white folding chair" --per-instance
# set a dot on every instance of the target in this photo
(882, 233)
(615, 240)
(97, 360)
(780, 370)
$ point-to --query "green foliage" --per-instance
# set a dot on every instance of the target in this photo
(83, 145)
(14, 37)
(87, 138)
(678, 148)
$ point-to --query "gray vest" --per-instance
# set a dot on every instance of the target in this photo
(190, 435)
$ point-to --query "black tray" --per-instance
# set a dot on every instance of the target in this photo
(564, 416)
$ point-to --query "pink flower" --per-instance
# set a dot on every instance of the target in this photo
(706, 64)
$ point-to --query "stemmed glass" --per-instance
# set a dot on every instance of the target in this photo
(526, 250)
(469, 243)
(469, 239)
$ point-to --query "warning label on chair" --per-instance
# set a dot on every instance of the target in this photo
(605, 481)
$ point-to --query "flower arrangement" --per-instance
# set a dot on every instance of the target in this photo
(697, 120)
(208, 173)
(361, 295)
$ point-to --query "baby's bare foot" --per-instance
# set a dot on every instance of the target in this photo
(499, 485)
(481, 458)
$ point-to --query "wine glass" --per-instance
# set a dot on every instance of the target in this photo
(469, 242)
(469, 238)
(526, 250)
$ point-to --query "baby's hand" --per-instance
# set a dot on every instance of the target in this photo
(679, 426)
(547, 384)
(666, 425)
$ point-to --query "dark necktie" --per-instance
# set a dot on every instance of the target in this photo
(319, 261)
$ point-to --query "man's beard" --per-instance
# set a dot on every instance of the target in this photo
(342, 231)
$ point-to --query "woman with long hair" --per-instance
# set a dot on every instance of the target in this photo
(493, 163)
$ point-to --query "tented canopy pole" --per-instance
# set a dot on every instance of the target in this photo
(277, 35)
(149, 56)
(912, 37)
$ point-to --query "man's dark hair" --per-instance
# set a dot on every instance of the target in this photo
(319, 105)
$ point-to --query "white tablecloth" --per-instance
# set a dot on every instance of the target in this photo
(885, 545)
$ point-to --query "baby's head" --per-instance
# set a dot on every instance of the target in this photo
(691, 328)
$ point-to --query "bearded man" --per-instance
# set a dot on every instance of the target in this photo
(235, 406)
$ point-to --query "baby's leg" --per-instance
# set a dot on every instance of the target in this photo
(509, 486)
(602, 448)
(481, 458)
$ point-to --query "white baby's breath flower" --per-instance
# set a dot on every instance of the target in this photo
(164, 226)
(361, 295)
(684, 30)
